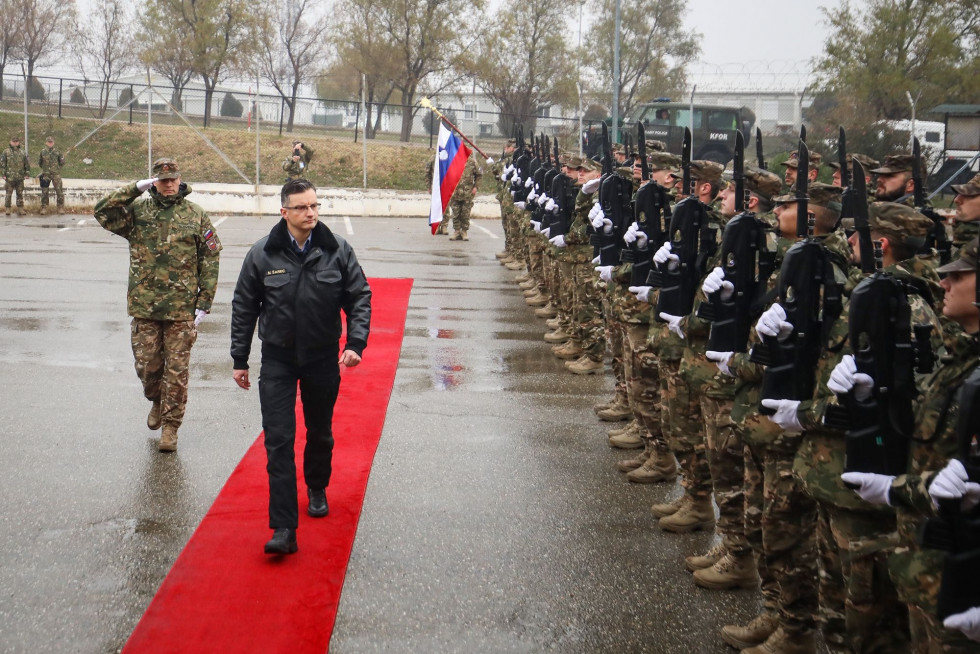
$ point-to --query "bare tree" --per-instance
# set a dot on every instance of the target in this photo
(11, 23)
(292, 46)
(44, 31)
(164, 48)
(102, 43)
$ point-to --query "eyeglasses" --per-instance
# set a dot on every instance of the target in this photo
(303, 208)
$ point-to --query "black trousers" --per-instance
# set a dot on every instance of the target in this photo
(319, 383)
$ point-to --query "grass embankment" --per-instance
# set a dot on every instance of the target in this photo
(119, 151)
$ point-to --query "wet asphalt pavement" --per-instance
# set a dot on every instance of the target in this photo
(494, 521)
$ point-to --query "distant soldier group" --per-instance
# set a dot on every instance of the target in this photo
(804, 356)
(17, 168)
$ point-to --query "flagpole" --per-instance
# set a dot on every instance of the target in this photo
(424, 102)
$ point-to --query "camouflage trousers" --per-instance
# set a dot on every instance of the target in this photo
(162, 351)
(643, 384)
(59, 191)
(616, 340)
(789, 522)
(686, 430)
(461, 208)
(753, 487)
(512, 229)
(564, 294)
(549, 269)
(15, 185)
(588, 327)
(535, 261)
(859, 607)
(725, 453)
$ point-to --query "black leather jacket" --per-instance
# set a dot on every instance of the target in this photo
(297, 299)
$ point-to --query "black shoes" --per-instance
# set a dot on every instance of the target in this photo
(283, 542)
(318, 502)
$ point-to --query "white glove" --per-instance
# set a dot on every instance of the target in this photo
(596, 208)
(785, 415)
(516, 179)
(952, 483)
(529, 182)
(547, 232)
(536, 226)
(968, 622)
(605, 273)
(531, 196)
(721, 360)
(199, 316)
(550, 206)
(489, 160)
(845, 377)
(773, 323)
(642, 293)
(503, 176)
(595, 262)
(144, 184)
(520, 205)
(597, 219)
(630, 234)
(663, 256)
(591, 186)
(673, 323)
(871, 487)
(715, 281)
(607, 226)
(543, 200)
(558, 241)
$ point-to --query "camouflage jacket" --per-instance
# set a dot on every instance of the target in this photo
(173, 251)
(469, 179)
(14, 163)
(297, 169)
(820, 459)
(50, 160)
(577, 237)
(758, 430)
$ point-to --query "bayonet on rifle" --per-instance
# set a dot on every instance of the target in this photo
(758, 149)
(802, 186)
(738, 173)
(641, 144)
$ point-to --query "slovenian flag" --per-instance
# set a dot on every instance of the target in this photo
(451, 158)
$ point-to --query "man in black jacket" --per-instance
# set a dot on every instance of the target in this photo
(295, 282)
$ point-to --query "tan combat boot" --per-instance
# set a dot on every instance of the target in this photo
(618, 398)
(706, 560)
(617, 412)
(585, 366)
(153, 418)
(538, 300)
(692, 516)
(515, 265)
(754, 633)
(168, 439)
(547, 311)
(528, 285)
(458, 236)
(665, 509)
(729, 572)
(7, 211)
(503, 254)
(629, 465)
(631, 439)
(43, 211)
(552, 323)
(783, 642)
(532, 291)
(568, 351)
(629, 426)
(659, 467)
(557, 336)
(441, 229)
(466, 235)
(523, 277)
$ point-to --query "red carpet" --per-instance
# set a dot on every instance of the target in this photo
(223, 593)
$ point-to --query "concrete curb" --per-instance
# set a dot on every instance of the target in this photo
(81, 195)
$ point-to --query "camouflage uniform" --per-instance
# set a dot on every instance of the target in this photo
(50, 160)
(173, 271)
(16, 168)
(461, 202)
(298, 169)
(586, 315)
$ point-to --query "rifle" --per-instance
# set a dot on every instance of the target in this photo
(651, 206)
(743, 251)
(812, 299)
(855, 200)
(936, 238)
(694, 241)
(615, 194)
(953, 531)
(758, 149)
(687, 186)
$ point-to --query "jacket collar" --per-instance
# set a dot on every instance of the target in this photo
(321, 236)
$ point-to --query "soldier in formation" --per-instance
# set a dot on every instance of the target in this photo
(813, 384)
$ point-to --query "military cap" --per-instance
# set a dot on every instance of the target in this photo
(626, 171)
(15, 137)
(867, 162)
(166, 169)
(970, 188)
(574, 162)
(590, 164)
(899, 221)
(618, 147)
(762, 182)
(825, 195)
(706, 171)
(967, 261)
(794, 160)
(511, 141)
(664, 161)
(656, 146)
(895, 163)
